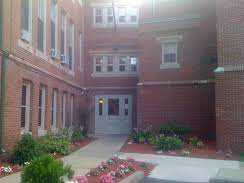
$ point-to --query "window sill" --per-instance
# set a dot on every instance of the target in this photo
(114, 74)
(170, 66)
(41, 132)
(24, 131)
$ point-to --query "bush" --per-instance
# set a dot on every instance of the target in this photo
(141, 136)
(65, 133)
(25, 150)
(46, 169)
(77, 135)
(152, 140)
(54, 144)
(165, 143)
(195, 142)
(172, 129)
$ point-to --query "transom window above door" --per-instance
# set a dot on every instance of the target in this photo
(112, 65)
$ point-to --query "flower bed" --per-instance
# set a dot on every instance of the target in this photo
(114, 170)
(207, 151)
(8, 168)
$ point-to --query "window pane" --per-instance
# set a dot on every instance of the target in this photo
(122, 15)
(40, 35)
(170, 52)
(101, 102)
(24, 88)
(25, 14)
(98, 15)
(22, 121)
(113, 107)
(110, 17)
(133, 13)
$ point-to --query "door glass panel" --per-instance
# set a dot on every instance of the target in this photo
(101, 102)
(126, 111)
(113, 107)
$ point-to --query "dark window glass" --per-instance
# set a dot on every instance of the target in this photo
(40, 45)
(25, 14)
(24, 88)
(113, 107)
(40, 109)
(101, 101)
(170, 58)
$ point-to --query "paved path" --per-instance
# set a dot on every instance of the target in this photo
(88, 157)
(182, 169)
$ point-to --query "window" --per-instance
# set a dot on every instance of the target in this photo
(54, 108)
(99, 62)
(63, 33)
(54, 25)
(72, 109)
(70, 41)
(41, 25)
(81, 49)
(126, 107)
(110, 16)
(64, 109)
(133, 15)
(98, 16)
(170, 52)
(26, 20)
(115, 64)
(42, 107)
(133, 64)
(122, 63)
(122, 15)
(110, 64)
(25, 107)
(113, 107)
(100, 103)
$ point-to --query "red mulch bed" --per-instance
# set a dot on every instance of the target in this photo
(4, 160)
(208, 151)
(138, 166)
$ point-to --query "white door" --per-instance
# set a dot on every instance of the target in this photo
(113, 114)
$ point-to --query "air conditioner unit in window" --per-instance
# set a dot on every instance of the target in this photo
(25, 36)
(63, 60)
(54, 54)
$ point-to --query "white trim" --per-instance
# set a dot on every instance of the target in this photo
(26, 128)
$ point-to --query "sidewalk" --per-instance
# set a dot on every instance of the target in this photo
(88, 157)
(181, 169)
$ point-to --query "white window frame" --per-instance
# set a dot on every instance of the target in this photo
(81, 41)
(44, 23)
(42, 109)
(54, 109)
(26, 35)
(64, 28)
(177, 39)
(116, 64)
(71, 110)
(56, 24)
(95, 15)
(64, 102)
(27, 106)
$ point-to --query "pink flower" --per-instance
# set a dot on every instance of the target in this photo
(108, 178)
(80, 179)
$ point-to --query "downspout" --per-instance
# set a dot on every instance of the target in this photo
(5, 57)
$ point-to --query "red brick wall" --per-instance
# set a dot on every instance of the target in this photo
(229, 84)
(188, 103)
(24, 65)
(192, 105)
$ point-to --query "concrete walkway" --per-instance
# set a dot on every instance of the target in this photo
(181, 169)
(88, 157)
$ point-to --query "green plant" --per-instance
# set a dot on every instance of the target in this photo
(152, 140)
(195, 142)
(25, 150)
(46, 169)
(54, 144)
(141, 136)
(172, 129)
(242, 157)
(77, 135)
(165, 143)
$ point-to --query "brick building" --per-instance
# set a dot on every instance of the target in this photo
(126, 64)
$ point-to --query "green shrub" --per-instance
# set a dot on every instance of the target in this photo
(242, 157)
(165, 143)
(140, 136)
(65, 133)
(172, 129)
(195, 142)
(46, 169)
(25, 150)
(152, 140)
(54, 144)
(77, 135)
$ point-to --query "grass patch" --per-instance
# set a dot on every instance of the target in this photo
(242, 157)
